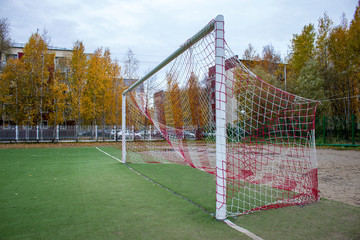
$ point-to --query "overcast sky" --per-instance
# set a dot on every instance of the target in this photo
(153, 29)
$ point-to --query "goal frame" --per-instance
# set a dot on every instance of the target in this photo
(216, 25)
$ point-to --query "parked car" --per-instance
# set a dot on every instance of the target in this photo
(143, 134)
(85, 133)
(128, 135)
(157, 134)
(189, 135)
(112, 132)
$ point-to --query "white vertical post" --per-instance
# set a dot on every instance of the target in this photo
(123, 126)
(96, 135)
(37, 132)
(77, 132)
(220, 98)
(57, 132)
(115, 135)
(16, 133)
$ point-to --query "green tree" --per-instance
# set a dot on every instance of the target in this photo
(302, 49)
(354, 50)
(310, 84)
(339, 86)
(322, 41)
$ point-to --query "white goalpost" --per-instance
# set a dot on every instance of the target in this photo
(220, 99)
(209, 112)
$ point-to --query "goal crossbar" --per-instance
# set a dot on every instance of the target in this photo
(190, 42)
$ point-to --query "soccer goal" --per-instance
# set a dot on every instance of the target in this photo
(203, 108)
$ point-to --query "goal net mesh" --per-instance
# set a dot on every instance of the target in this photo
(270, 152)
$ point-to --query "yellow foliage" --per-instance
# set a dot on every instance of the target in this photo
(174, 102)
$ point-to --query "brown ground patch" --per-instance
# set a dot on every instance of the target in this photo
(339, 175)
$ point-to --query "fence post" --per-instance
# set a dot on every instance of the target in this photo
(77, 132)
(96, 136)
(37, 132)
(57, 132)
(115, 133)
(324, 129)
(16, 133)
(353, 129)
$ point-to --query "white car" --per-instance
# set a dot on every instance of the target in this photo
(129, 135)
(189, 135)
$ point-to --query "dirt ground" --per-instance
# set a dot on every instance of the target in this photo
(339, 170)
(339, 175)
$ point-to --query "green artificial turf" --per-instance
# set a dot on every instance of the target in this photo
(321, 220)
(81, 193)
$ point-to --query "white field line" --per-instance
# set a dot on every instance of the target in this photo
(242, 230)
(228, 222)
(109, 155)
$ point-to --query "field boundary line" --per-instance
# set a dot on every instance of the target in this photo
(242, 230)
(228, 222)
(109, 155)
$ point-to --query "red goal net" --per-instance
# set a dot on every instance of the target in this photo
(267, 158)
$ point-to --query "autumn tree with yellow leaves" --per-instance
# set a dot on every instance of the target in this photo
(84, 88)
(173, 111)
(325, 65)
(13, 92)
(59, 88)
(197, 97)
(98, 83)
(26, 83)
(77, 81)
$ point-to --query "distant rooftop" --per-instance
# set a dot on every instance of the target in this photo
(22, 45)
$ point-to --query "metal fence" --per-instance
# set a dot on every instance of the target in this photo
(61, 133)
(329, 130)
(338, 130)
(14, 133)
